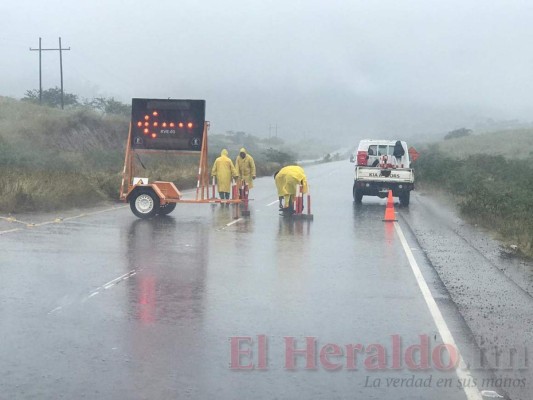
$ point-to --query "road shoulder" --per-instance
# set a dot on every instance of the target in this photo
(492, 294)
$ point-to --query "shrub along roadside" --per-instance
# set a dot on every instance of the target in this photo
(52, 159)
(492, 191)
(28, 190)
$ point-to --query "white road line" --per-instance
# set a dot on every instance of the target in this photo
(112, 282)
(234, 222)
(9, 231)
(44, 223)
(271, 204)
(55, 309)
(83, 215)
(11, 219)
(472, 393)
(55, 221)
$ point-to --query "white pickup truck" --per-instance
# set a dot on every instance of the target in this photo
(380, 166)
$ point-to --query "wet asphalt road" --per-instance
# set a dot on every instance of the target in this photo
(107, 306)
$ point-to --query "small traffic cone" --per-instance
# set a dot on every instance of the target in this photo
(390, 216)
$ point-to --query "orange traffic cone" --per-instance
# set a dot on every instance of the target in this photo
(389, 210)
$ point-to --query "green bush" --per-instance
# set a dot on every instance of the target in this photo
(491, 190)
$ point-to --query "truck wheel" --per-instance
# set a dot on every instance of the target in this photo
(357, 195)
(166, 209)
(144, 203)
(404, 198)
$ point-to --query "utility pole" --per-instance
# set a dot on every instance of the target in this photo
(61, 72)
(40, 72)
(40, 50)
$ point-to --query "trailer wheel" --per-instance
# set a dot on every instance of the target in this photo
(166, 209)
(357, 195)
(144, 203)
(404, 198)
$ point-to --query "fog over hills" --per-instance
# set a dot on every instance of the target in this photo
(335, 70)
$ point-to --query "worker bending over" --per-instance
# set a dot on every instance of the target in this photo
(287, 180)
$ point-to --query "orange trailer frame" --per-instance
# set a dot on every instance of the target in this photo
(166, 192)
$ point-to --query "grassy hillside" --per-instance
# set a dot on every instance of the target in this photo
(52, 159)
(492, 184)
(512, 144)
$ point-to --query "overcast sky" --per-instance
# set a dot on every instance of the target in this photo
(335, 69)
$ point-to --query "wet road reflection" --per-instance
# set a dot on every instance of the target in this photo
(171, 261)
(190, 282)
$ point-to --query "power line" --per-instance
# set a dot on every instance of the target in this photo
(40, 50)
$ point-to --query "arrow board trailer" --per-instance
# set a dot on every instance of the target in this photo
(166, 126)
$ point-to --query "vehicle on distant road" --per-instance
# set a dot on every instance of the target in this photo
(380, 166)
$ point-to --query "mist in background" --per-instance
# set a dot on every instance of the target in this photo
(335, 71)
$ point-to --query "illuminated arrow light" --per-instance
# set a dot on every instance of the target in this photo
(171, 125)
(146, 123)
(164, 124)
(146, 131)
(146, 117)
(155, 113)
(154, 135)
(156, 124)
(189, 125)
(180, 125)
(139, 124)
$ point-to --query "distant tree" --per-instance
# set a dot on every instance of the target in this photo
(51, 97)
(249, 141)
(458, 133)
(280, 157)
(109, 106)
(236, 137)
(273, 141)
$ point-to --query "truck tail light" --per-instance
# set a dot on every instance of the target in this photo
(362, 157)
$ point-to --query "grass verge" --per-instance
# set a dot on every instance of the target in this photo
(52, 159)
(492, 191)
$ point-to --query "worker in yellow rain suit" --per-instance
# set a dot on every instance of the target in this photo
(245, 169)
(287, 180)
(223, 169)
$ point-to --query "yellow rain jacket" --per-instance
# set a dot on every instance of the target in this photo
(245, 168)
(223, 170)
(287, 179)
